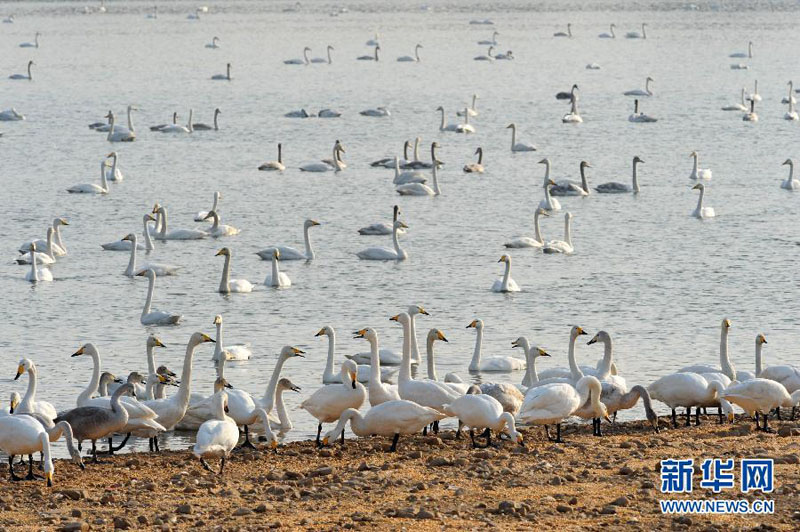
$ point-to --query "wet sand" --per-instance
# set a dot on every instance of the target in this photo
(431, 483)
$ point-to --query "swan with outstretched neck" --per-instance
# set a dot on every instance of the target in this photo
(527, 242)
(290, 253)
(702, 211)
(548, 203)
(159, 268)
(27, 76)
(155, 317)
(506, 283)
(201, 215)
(228, 285)
(504, 364)
(272, 166)
(698, 173)
(573, 188)
(223, 77)
(277, 279)
(384, 253)
(175, 234)
(790, 183)
(616, 187)
(93, 188)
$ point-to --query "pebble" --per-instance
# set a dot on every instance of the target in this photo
(426, 514)
(438, 461)
(184, 509)
(74, 526)
(321, 472)
(262, 508)
(620, 501)
(608, 510)
(626, 470)
(74, 494)
(122, 523)
(76, 513)
(563, 508)
(242, 511)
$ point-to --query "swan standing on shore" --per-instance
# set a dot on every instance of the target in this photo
(290, 253)
(506, 283)
(562, 246)
(384, 253)
(790, 183)
(155, 317)
(228, 285)
(700, 211)
(328, 403)
(527, 242)
(479, 411)
(218, 436)
(760, 396)
(29, 404)
(377, 390)
(620, 188)
(698, 173)
(548, 203)
(502, 364)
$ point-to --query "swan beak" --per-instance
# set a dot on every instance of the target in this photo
(441, 337)
(423, 311)
(353, 379)
(14, 404)
(394, 318)
(321, 332)
(298, 352)
(20, 371)
(295, 388)
(141, 273)
(207, 338)
(730, 417)
(127, 237)
(117, 380)
(696, 187)
(727, 323)
(404, 226)
(551, 182)
(325, 440)
(581, 331)
(472, 324)
(274, 444)
(520, 440)
(63, 221)
(314, 222)
(504, 258)
(360, 334)
(220, 252)
(593, 340)
(150, 218)
(159, 343)
(605, 416)
(112, 154)
(543, 353)
(78, 352)
(49, 477)
(763, 339)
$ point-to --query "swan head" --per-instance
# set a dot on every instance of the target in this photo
(400, 225)
(218, 318)
(537, 351)
(311, 223)
(726, 323)
(440, 108)
(31, 63)
(220, 384)
(113, 155)
(350, 369)
(226, 252)
(699, 186)
(85, 349)
(568, 216)
(416, 309)
(521, 342)
(126, 389)
(511, 126)
(60, 221)
(164, 370)
(32, 246)
(367, 332)
(436, 334)
(325, 331)
(154, 341)
(651, 80)
(14, 401)
(24, 365)
(693, 154)
(505, 258)
(601, 336)
(276, 254)
(134, 377)
(478, 150)
(418, 46)
(133, 108)
(286, 384)
(130, 237)
(543, 161)
(637, 160)
(475, 324)
(198, 337)
(761, 339)
(585, 164)
(789, 162)
(288, 352)
(577, 331)
(401, 318)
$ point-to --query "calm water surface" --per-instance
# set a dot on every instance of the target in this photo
(657, 279)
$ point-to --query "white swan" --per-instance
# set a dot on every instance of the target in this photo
(466, 127)
(118, 134)
(620, 188)
(748, 54)
(641, 92)
(786, 375)
(155, 317)
(371, 57)
(223, 351)
(751, 116)
(760, 396)
(508, 56)
(364, 373)
(11, 115)
(573, 188)
(419, 189)
(518, 146)
(562, 246)
(479, 411)
(201, 126)
(725, 367)
(754, 96)
(125, 245)
(335, 164)
(24, 435)
(640, 117)
(214, 43)
(202, 215)
(159, 268)
(219, 230)
(328, 403)
(218, 436)
(93, 188)
(573, 117)
(737, 106)
(383, 253)
(549, 203)
(790, 183)
(791, 114)
(271, 166)
(113, 173)
(228, 285)
(571, 372)
(408, 176)
(277, 278)
(610, 35)
(553, 403)
(442, 125)
(223, 77)
(748, 375)
(377, 112)
(177, 128)
(506, 283)
(527, 242)
(452, 380)
(700, 211)
(120, 130)
(175, 234)
(322, 59)
(59, 249)
(29, 404)
(425, 392)
(568, 33)
(698, 173)
(493, 41)
(290, 253)
(475, 168)
(636, 34)
(42, 257)
(27, 76)
(391, 418)
(303, 61)
(410, 59)
(378, 392)
(34, 44)
(502, 364)
(473, 110)
(37, 274)
(790, 98)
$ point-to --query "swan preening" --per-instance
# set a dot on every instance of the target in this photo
(619, 188)
(702, 211)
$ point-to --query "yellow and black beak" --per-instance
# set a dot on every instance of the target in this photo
(320, 333)
(360, 334)
(78, 352)
(325, 440)
(423, 311)
(581, 331)
(472, 324)
(298, 352)
(159, 343)
(353, 376)
(20, 371)
(593, 340)
(543, 353)
(220, 252)
(207, 338)
(394, 318)
(441, 337)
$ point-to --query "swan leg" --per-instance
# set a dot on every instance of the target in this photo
(674, 419)
(766, 428)
(558, 434)
(247, 443)
(778, 413)
(205, 465)
(155, 442)
(393, 448)
(458, 431)
(343, 437)
(547, 432)
(488, 434)
(150, 444)
(688, 416)
(221, 465)
(41, 460)
(719, 415)
(436, 427)
(472, 437)
(794, 409)
(319, 431)
(112, 450)
(425, 430)
(11, 469)
(30, 475)
(697, 416)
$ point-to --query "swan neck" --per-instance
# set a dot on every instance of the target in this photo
(30, 393)
(604, 369)
(513, 136)
(724, 360)
(399, 251)
(412, 327)
(375, 362)
(475, 363)
(132, 260)
(148, 242)
(576, 372)
(269, 396)
(279, 154)
(441, 126)
(506, 275)
(405, 368)
(567, 230)
(186, 376)
(150, 289)
(224, 287)
(759, 367)
(430, 360)
(416, 149)
(436, 190)
(163, 213)
(276, 272)
(536, 229)
(636, 177)
(151, 360)
(91, 389)
(103, 178)
(307, 239)
(329, 361)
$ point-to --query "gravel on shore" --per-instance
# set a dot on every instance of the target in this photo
(431, 483)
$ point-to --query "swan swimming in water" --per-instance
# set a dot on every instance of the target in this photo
(698, 173)
(561, 246)
(175, 234)
(636, 34)
(620, 188)
(371, 57)
(790, 183)
(518, 146)
(610, 35)
(155, 317)
(549, 203)
(228, 285)
(790, 98)
(322, 59)
(640, 117)
(11, 115)
(527, 242)
(118, 134)
(410, 59)
(290, 253)
(303, 61)
(504, 364)
(214, 43)
(641, 92)
(133, 270)
(93, 188)
(752, 116)
(573, 188)
(737, 106)
(748, 54)
(754, 96)
(27, 76)
(217, 229)
(568, 33)
(506, 283)
(383, 253)
(272, 166)
(475, 168)
(223, 77)
(701, 211)
(487, 57)
(177, 128)
(493, 41)
(37, 274)
(473, 111)
(382, 228)
(446, 127)
(377, 112)
(206, 127)
(201, 215)
(34, 44)
(277, 279)
(335, 164)
(573, 117)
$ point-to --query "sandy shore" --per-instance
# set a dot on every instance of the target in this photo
(430, 483)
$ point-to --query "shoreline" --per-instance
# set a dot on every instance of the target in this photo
(429, 483)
